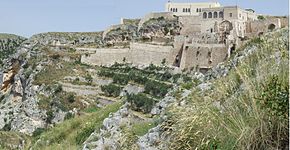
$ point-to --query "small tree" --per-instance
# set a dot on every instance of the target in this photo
(71, 98)
(261, 17)
(89, 79)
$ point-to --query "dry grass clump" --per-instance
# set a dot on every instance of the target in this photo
(248, 109)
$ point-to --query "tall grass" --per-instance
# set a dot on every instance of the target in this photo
(72, 133)
(236, 113)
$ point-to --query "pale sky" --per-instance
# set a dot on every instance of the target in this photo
(28, 17)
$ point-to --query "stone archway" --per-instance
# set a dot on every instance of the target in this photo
(271, 27)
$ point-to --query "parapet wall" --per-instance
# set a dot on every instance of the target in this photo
(139, 54)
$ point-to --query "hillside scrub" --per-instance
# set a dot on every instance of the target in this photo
(248, 109)
(73, 132)
(140, 102)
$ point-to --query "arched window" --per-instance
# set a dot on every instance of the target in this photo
(196, 9)
(221, 14)
(176, 9)
(204, 15)
(199, 9)
(189, 10)
(215, 15)
(210, 15)
(184, 10)
(171, 9)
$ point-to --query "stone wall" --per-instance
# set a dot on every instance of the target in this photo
(130, 21)
(190, 24)
(258, 27)
(203, 55)
(139, 54)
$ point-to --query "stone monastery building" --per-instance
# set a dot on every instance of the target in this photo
(209, 34)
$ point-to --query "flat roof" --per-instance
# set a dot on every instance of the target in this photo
(193, 3)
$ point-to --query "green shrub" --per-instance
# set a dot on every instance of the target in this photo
(261, 17)
(69, 115)
(188, 85)
(140, 102)
(275, 97)
(120, 79)
(89, 79)
(137, 78)
(7, 127)
(111, 90)
(49, 117)
(104, 73)
(38, 132)
(156, 89)
(58, 89)
(71, 97)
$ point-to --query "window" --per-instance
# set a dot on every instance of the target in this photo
(210, 15)
(171, 9)
(184, 10)
(221, 14)
(231, 14)
(196, 9)
(176, 10)
(204, 15)
(240, 15)
(199, 9)
(215, 15)
(189, 10)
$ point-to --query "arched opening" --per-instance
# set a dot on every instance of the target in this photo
(199, 9)
(215, 15)
(221, 14)
(210, 15)
(271, 27)
(204, 15)
(196, 9)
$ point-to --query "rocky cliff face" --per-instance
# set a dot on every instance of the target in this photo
(44, 84)
(19, 111)
(8, 45)
(90, 39)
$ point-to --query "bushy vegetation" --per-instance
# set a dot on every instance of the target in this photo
(121, 79)
(274, 97)
(248, 109)
(156, 89)
(140, 102)
(111, 90)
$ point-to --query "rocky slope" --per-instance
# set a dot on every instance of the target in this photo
(49, 99)
(8, 45)
(178, 111)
